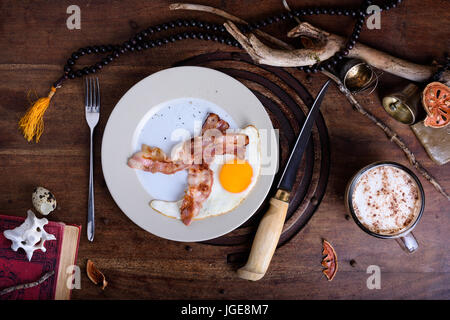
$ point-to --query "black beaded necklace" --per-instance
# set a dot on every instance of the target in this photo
(141, 42)
(32, 122)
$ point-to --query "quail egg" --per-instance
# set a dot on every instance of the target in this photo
(43, 200)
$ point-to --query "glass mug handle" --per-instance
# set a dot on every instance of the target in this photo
(408, 243)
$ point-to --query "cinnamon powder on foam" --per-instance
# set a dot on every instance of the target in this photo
(386, 200)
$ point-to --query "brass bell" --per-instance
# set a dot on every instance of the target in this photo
(403, 106)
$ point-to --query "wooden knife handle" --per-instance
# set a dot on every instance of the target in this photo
(266, 239)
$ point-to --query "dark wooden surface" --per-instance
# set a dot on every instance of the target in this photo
(138, 265)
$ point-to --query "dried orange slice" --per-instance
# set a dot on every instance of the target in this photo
(436, 101)
(95, 275)
(330, 261)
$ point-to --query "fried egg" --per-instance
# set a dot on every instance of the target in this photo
(233, 181)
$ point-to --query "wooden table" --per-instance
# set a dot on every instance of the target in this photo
(35, 46)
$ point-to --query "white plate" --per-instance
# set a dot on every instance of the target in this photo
(137, 118)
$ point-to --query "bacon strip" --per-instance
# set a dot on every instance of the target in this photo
(231, 143)
(200, 180)
(154, 160)
(203, 149)
(213, 121)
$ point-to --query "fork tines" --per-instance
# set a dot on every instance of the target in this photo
(92, 95)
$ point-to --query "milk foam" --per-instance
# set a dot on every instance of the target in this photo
(386, 200)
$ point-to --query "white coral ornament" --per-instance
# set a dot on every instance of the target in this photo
(30, 235)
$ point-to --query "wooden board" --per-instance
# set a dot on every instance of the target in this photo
(35, 45)
(287, 101)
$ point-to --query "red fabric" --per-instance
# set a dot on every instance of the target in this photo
(16, 269)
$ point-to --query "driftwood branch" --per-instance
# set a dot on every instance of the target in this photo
(330, 44)
(263, 54)
(27, 285)
(389, 133)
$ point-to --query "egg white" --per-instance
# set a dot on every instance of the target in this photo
(220, 201)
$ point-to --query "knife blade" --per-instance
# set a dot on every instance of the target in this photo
(271, 225)
(287, 179)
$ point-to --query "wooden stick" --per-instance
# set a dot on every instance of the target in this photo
(230, 17)
(389, 133)
(28, 285)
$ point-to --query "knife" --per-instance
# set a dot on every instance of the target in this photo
(271, 225)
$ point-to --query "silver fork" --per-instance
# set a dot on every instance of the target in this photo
(92, 115)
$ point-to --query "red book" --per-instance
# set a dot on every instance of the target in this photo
(15, 269)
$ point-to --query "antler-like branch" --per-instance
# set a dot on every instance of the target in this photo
(331, 44)
(282, 58)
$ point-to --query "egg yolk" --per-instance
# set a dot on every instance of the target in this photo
(235, 176)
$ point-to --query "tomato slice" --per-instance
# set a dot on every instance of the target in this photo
(436, 101)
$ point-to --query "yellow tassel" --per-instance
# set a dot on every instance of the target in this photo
(32, 123)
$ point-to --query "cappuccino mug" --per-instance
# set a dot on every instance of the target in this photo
(386, 200)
